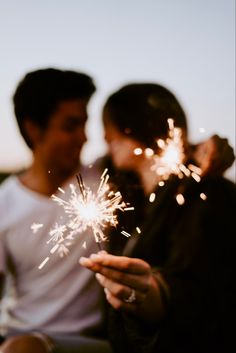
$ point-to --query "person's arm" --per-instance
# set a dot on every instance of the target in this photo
(214, 156)
(130, 285)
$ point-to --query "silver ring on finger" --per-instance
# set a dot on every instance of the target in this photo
(131, 298)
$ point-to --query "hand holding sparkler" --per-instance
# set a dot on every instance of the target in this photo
(129, 284)
(214, 155)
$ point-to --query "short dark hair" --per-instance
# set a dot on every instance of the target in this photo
(141, 110)
(39, 93)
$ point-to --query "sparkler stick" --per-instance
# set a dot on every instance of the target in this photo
(81, 185)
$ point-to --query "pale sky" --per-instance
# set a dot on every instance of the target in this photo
(187, 45)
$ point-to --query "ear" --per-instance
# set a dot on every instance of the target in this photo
(33, 131)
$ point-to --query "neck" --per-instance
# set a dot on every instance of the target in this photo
(39, 179)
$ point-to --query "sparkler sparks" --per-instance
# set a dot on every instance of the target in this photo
(152, 197)
(35, 227)
(94, 210)
(86, 209)
(170, 159)
(180, 199)
(203, 196)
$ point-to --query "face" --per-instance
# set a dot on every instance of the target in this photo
(59, 146)
(121, 148)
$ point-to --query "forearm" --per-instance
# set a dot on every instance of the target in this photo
(154, 308)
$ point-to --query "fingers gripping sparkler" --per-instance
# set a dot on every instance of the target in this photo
(86, 209)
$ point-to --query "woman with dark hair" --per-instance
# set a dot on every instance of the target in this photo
(171, 290)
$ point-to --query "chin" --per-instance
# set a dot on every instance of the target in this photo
(122, 166)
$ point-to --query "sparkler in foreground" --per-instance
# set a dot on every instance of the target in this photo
(86, 209)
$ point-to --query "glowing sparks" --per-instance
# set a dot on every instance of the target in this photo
(61, 190)
(171, 157)
(35, 227)
(56, 233)
(194, 169)
(152, 197)
(180, 199)
(86, 209)
(94, 210)
(138, 151)
(203, 196)
(126, 233)
(196, 177)
(148, 152)
(138, 230)
(43, 263)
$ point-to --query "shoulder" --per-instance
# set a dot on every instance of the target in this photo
(217, 207)
(7, 192)
(7, 188)
(17, 202)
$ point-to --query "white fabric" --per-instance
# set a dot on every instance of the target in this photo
(61, 297)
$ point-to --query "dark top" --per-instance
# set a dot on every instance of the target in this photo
(193, 246)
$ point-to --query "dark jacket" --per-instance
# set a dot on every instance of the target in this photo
(192, 245)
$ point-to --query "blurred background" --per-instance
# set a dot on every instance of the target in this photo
(187, 45)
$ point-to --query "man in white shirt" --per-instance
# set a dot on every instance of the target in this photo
(61, 299)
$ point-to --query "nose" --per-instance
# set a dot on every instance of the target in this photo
(107, 136)
(79, 136)
(83, 135)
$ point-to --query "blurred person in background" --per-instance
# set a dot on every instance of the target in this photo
(171, 289)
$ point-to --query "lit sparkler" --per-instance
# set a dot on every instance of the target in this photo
(170, 160)
(171, 156)
(86, 209)
(35, 227)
